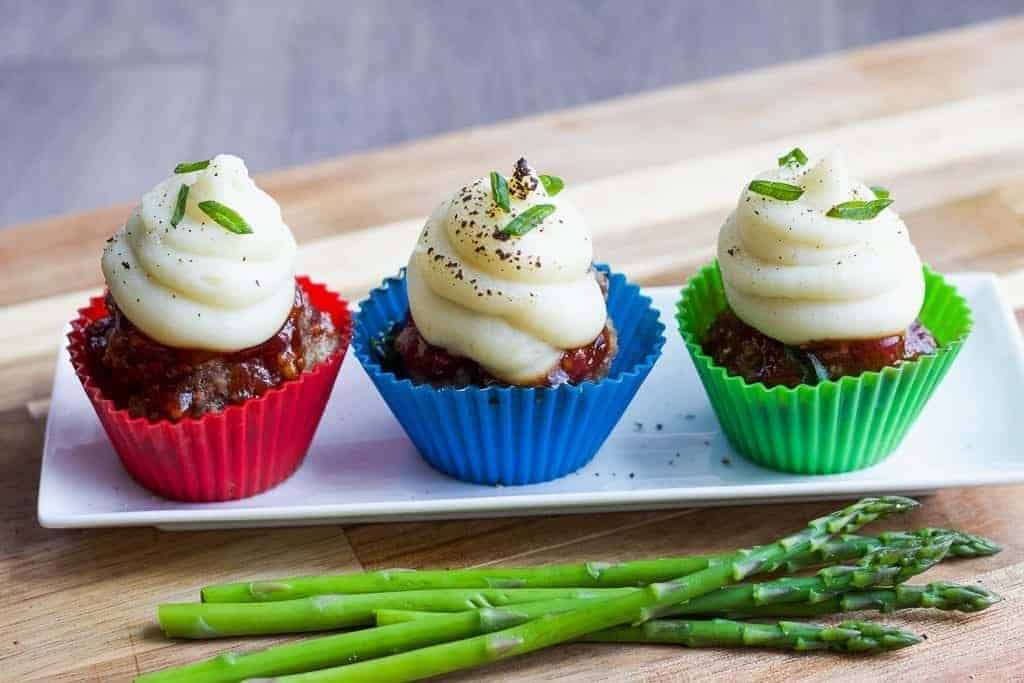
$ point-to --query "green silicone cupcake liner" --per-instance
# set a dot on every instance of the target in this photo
(836, 426)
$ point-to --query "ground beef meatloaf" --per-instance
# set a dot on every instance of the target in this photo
(155, 381)
(410, 355)
(744, 351)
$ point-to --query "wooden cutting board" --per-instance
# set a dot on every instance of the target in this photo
(939, 120)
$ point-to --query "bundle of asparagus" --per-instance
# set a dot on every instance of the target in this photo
(418, 624)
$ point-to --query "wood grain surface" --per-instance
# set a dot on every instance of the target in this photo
(936, 119)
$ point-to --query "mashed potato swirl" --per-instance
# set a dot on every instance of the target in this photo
(197, 285)
(798, 275)
(512, 304)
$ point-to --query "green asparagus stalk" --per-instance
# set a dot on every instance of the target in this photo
(848, 637)
(940, 595)
(586, 574)
(395, 635)
(884, 567)
(344, 648)
(596, 615)
(326, 612)
(866, 636)
(965, 544)
(850, 546)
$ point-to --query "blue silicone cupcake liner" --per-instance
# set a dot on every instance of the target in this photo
(513, 435)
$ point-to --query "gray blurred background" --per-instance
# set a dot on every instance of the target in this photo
(99, 99)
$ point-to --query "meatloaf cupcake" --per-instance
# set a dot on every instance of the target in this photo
(502, 350)
(208, 362)
(818, 334)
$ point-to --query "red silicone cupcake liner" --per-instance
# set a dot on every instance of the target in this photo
(239, 452)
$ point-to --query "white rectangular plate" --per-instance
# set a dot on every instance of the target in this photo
(667, 451)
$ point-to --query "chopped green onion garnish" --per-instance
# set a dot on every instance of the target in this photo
(858, 210)
(880, 191)
(528, 220)
(226, 217)
(499, 188)
(190, 166)
(795, 157)
(552, 184)
(770, 188)
(179, 206)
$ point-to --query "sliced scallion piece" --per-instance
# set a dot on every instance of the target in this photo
(226, 217)
(776, 190)
(859, 210)
(190, 166)
(528, 220)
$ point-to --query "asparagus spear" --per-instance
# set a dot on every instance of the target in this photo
(965, 544)
(848, 637)
(346, 648)
(937, 595)
(851, 636)
(394, 634)
(596, 615)
(325, 612)
(884, 567)
(586, 574)
(941, 595)
(343, 648)
(851, 547)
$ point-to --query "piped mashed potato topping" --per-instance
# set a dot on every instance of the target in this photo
(798, 275)
(196, 284)
(512, 303)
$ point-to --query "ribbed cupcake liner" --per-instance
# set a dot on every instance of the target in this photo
(836, 426)
(513, 435)
(238, 452)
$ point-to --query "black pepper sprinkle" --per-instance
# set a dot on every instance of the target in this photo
(125, 265)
